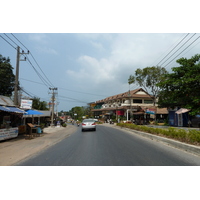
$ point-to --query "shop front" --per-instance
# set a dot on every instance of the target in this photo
(10, 120)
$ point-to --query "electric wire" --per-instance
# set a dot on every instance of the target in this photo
(8, 42)
(166, 51)
(19, 41)
(182, 51)
(39, 75)
(10, 39)
(34, 60)
(73, 99)
(60, 88)
(191, 48)
(172, 49)
(179, 49)
(43, 80)
(41, 70)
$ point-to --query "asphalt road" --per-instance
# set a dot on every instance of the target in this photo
(110, 147)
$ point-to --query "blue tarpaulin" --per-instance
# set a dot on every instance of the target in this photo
(11, 109)
(32, 112)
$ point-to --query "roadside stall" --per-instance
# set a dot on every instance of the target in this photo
(10, 120)
(33, 128)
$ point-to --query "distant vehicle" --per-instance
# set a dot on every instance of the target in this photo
(88, 124)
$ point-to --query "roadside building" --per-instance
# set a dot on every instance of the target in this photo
(135, 105)
(10, 118)
(43, 119)
(181, 117)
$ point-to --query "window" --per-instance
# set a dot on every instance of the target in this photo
(137, 100)
(148, 101)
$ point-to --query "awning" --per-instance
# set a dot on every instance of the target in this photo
(11, 109)
(182, 110)
(138, 113)
(33, 112)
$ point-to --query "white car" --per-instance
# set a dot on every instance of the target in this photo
(88, 124)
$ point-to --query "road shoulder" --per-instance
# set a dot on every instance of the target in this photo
(16, 150)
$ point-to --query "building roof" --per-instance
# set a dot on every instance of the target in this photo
(132, 93)
(6, 101)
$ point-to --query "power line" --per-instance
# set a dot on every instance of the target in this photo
(32, 81)
(73, 99)
(64, 88)
(8, 42)
(26, 92)
(179, 48)
(39, 75)
(47, 81)
(34, 60)
(183, 50)
(10, 39)
(41, 69)
(166, 50)
(19, 41)
(172, 49)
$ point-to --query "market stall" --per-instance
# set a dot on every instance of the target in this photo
(10, 120)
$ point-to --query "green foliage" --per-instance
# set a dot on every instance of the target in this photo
(148, 78)
(39, 105)
(80, 112)
(191, 136)
(42, 125)
(7, 78)
(64, 125)
(180, 88)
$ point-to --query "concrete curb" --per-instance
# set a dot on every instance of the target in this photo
(170, 142)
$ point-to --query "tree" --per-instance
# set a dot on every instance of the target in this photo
(148, 78)
(40, 105)
(181, 87)
(80, 111)
(7, 78)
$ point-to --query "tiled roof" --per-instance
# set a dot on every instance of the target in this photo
(126, 94)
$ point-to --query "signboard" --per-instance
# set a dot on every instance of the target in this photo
(8, 133)
(26, 104)
(150, 111)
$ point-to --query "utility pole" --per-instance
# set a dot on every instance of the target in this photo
(16, 102)
(131, 116)
(53, 100)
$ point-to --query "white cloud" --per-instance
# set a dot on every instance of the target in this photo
(127, 53)
(38, 37)
(47, 50)
(97, 45)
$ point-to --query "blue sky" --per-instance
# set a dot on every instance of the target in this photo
(88, 49)
(79, 63)
(89, 67)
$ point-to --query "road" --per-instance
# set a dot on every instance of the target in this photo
(110, 147)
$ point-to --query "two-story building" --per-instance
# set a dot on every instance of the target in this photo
(136, 105)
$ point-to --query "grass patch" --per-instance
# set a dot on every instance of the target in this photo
(191, 136)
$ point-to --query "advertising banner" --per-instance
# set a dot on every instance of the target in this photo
(8, 133)
(26, 104)
(150, 111)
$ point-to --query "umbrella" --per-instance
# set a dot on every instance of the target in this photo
(33, 112)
